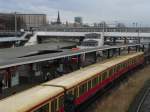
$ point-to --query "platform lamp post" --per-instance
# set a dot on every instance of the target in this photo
(15, 24)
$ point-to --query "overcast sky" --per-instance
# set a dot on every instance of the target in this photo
(127, 11)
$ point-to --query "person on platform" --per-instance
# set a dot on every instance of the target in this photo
(47, 77)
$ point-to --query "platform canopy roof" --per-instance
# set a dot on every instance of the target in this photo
(44, 52)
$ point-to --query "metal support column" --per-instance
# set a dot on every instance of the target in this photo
(125, 40)
(108, 53)
(136, 47)
(114, 41)
(114, 52)
(139, 48)
(95, 56)
(119, 51)
(143, 48)
(79, 61)
(128, 50)
(15, 24)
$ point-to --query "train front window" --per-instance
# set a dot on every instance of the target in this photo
(44, 108)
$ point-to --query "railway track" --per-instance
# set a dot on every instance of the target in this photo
(144, 103)
(142, 100)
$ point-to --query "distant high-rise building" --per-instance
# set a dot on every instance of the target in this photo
(78, 20)
(8, 21)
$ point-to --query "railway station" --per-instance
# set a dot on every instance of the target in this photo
(100, 62)
(28, 66)
(25, 65)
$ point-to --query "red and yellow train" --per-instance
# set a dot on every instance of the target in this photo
(81, 84)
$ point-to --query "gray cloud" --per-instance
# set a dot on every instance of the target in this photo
(91, 10)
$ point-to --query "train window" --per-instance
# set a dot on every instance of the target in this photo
(44, 108)
(104, 75)
(83, 88)
(122, 65)
(76, 92)
(111, 72)
(100, 78)
(118, 67)
(114, 69)
(97, 80)
(61, 101)
(70, 92)
(80, 90)
(94, 81)
(127, 63)
(54, 105)
(135, 60)
(130, 61)
(89, 85)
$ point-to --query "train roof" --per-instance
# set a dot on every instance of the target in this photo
(121, 58)
(74, 78)
(26, 100)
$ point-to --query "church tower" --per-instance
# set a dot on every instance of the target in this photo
(58, 19)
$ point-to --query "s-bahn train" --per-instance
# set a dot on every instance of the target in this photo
(73, 88)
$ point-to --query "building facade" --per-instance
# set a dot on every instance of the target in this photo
(29, 21)
(10, 22)
(7, 22)
(78, 20)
